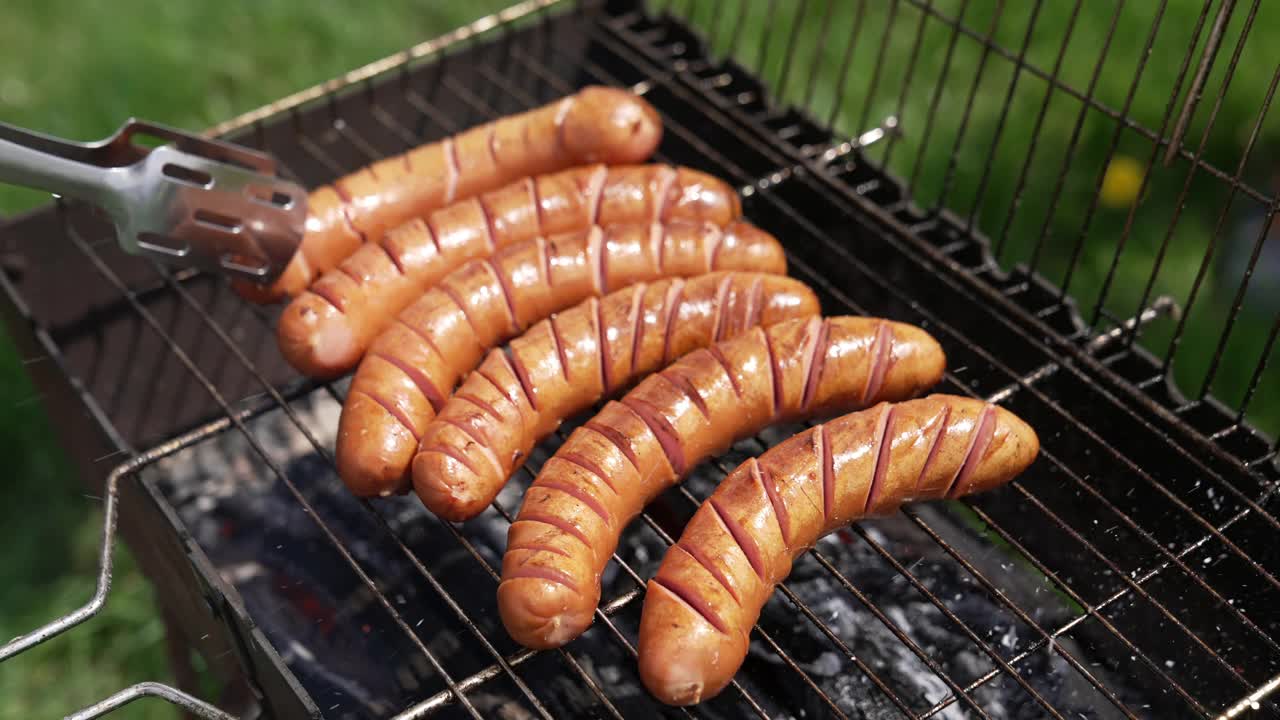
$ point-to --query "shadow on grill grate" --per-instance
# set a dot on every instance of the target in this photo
(1129, 573)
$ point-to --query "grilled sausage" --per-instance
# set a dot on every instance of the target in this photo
(610, 468)
(413, 365)
(325, 331)
(708, 593)
(597, 124)
(563, 366)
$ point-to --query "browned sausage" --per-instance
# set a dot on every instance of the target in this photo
(708, 593)
(564, 366)
(610, 468)
(597, 124)
(412, 367)
(325, 331)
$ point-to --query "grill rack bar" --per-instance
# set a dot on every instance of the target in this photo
(349, 135)
(177, 698)
(1253, 701)
(1202, 76)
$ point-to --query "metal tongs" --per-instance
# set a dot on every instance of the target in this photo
(194, 202)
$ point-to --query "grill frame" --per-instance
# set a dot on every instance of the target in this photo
(914, 239)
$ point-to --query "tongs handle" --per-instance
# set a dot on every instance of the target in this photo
(44, 163)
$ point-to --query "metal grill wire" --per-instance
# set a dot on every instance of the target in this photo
(1046, 126)
(1172, 561)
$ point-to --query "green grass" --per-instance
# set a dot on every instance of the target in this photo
(78, 69)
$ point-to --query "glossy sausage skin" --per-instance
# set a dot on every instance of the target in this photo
(611, 467)
(412, 367)
(597, 124)
(708, 593)
(325, 331)
(568, 363)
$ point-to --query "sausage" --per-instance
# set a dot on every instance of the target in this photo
(597, 124)
(611, 467)
(562, 367)
(412, 367)
(325, 331)
(708, 593)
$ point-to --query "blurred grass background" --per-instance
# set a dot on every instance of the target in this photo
(78, 69)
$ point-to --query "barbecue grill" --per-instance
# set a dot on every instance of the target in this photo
(1131, 572)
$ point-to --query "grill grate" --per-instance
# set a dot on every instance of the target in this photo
(1127, 574)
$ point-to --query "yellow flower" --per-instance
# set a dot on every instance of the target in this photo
(1121, 183)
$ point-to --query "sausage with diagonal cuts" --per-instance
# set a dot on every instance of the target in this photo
(713, 583)
(596, 124)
